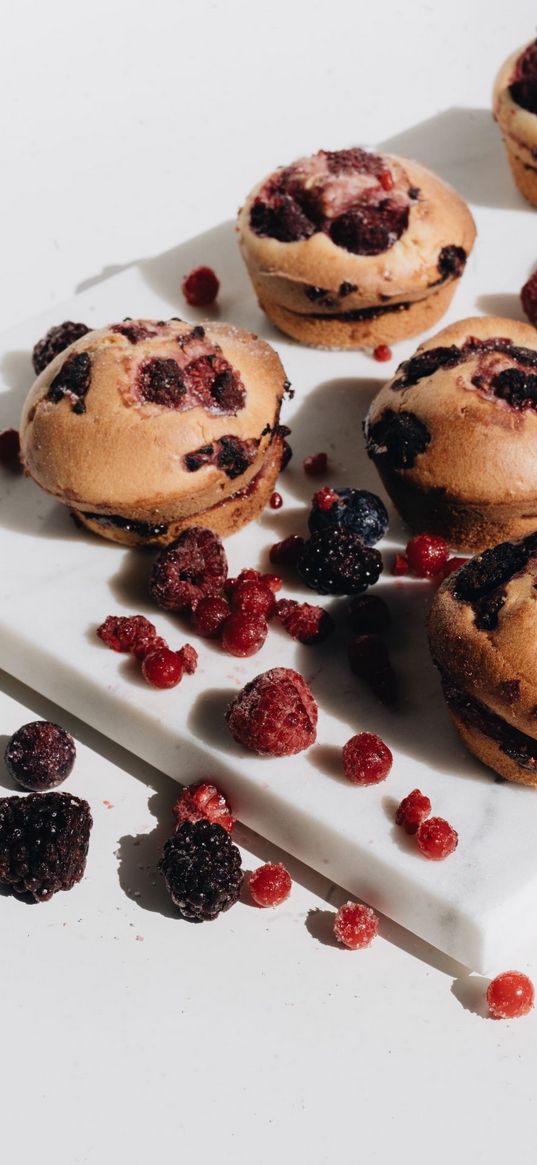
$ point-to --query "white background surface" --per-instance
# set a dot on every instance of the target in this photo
(127, 129)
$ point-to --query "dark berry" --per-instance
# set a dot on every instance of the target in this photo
(132, 633)
(528, 297)
(73, 380)
(200, 287)
(368, 614)
(10, 448)
(270, 884)
(355, 926)
(523, 87)
(162, 668)
(427, 555)
(510, 995)
(275, 714)
(202, 870)
(452, 261)
(303, 622)
(160, 382)
(336, 561)
(193, 566)
(286, 456)
(397, 439)
(44, 839)
(366, 759)
(370, 661)
(204, 802)
(133, 331)
(382, 353)
(436, 838)
(412, 811)
(492, 569)
(316, 465)
(516, 386)
(425, 364)
(355, 510)
(276, 501)
(209, 614)
(368, 229)
(283, 219)
(56, 340)
(40, 755)
(286, 553)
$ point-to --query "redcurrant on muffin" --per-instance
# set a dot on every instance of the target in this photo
(453, 434)
(482, 634)
(349, 249)
(145, 428)
(515, 110)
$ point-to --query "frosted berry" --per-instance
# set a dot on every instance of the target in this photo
(286, 553)
(356, 926)
(368, 614)
(528, 296)
(325, 498)
(275, 714)
(40, 755)
(304, 622)
(243, 635)
(382, 353)
(366, 759)
(316, 465)
(510, 995)
(10, 449)
(412, 811)
(200, 287)
(193, 566)
(400, 565)
(274, 582)
(270, 884)
(427, 555)
(253, 597)
(209, 614)
(44, 840)
(162, 668)
(56, 340)
(370, 661)
(189, 658)
(356, 511)
(202, 870)
(126, 633)
(204, 800)
(436, 838)
(337, 561)
(276, 501)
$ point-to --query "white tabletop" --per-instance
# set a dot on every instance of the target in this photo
(128, 1035)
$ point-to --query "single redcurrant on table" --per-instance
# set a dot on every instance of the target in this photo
(162, 668)
(436, 839)
(200, 287)
(270, 884)
(412, 811)
(366, 759)
(355, 926)
(209, 614)
(243, 634)
(510, 995)
(382, 353)
(427, 555)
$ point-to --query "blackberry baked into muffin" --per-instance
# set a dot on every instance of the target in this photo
(483, 634)
(144, 428)
(454, 434)
(349, 249)
(515, 110)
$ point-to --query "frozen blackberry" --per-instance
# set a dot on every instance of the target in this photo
(56, 340)
(356, 510)
(44, 841)
(40, 755)
(202, 870)
(336, 562)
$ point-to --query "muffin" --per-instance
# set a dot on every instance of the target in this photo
(482, 632)
(454, 433)
(144, 428)
(515, 110)
(349, 249)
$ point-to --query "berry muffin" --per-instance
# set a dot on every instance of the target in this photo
(349, 249)
(144, 428)
(482, 632)
(453, 434)
(515, 110)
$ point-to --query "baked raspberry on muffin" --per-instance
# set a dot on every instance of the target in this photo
(453, 434)
(482, 632)
(349, 249)
(515, 110)
(145, 428)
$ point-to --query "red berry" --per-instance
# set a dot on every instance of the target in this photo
(200, 287)
(369, 659)
(193, 566)
(382, 353)
(366, 759)
(528, 296)
(436, 838)
(189, 658)
(273, 581)
(400, 565)
(128, 633)
(386, 179)
(270, 884)
(427, 555)
(276, 501)
(368, 614)
(162, 668)
(304, 622)
(510, 995)
(243, 634)
(286, 553)
(209, 614)
(253, 597)
(355, 926)
(325, 498)
(453, 564)
(316, 465)
(413, 810)
(204, 800)
(275, 714)
(10, 449)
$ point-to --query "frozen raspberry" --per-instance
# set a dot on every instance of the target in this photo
(427, 555)
(382, 353)
(252, 597)
(528, 296)
(40, 755)
(202, 870)
(132, 633)
(400, 565)
(243, 635)
(44, 839)
(189, 658)
(436, 838)
(412, 811)
(336, 561)
(368, 614)
(274, 582)
(209, 614)
(452, 565)
(10, 449)
(200, 287)
(324, 499)
(275, 714)
(286, 553)
(366, 759)
(219, 388)
(304, 622)
(276, 501)
(369, 659)
(316, 465)
(355, 510)
(356, 926)
(193, 566)
(162, 668)
(204, 801)
(56, 340)
(510, 995)
(270, 884)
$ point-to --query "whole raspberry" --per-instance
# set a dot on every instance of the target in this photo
(204, 802)
(162, 668)
(304, 622)
(355, 510)
(275, 714)
(132, 633)
(366, 759)
(336, 561)
(209, 614)
(202, 870)
(270, 884)
(243, 635)
(427, 555)
(368, 614)
(200, 287)
(510, 995)
(286, 553)
(10, 449)
(369, 659)
(40, 755)
(355, 926)
(413, 810)
(436, 838)
(44, 839)
(528, 297)
(193, 566)
(56, 340)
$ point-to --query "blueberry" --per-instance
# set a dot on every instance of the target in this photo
(357, 511)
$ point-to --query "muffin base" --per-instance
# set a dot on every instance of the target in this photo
(489, 752)
(386, 328)
(525, 176)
